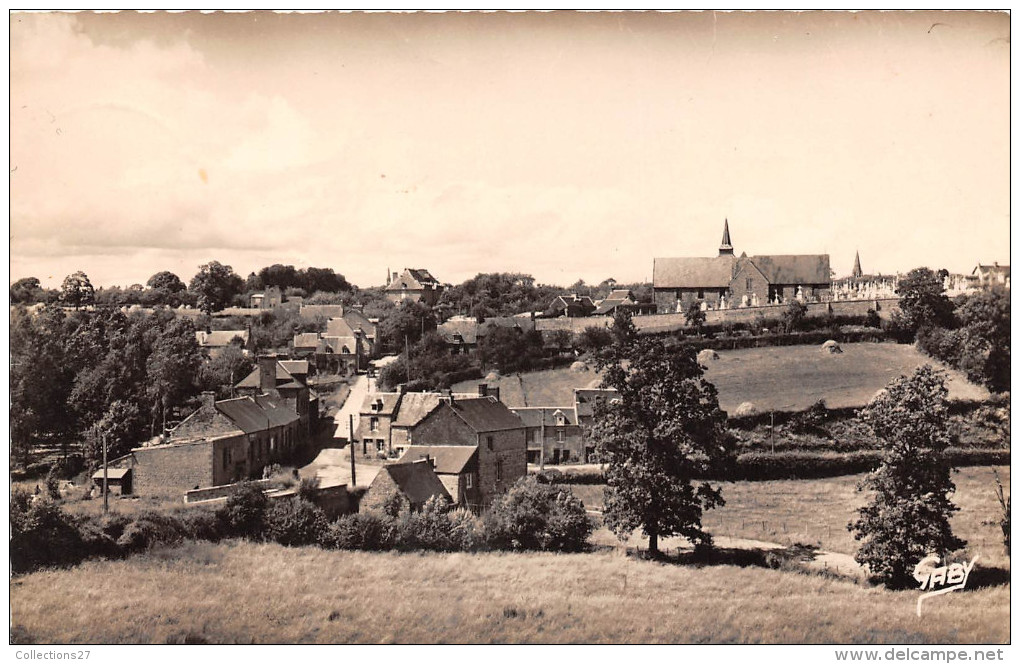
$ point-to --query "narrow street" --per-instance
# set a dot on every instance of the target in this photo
(359, 389)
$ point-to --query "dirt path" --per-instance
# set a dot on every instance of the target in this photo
(351, 407)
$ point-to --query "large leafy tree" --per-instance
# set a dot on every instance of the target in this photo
(77, 291)
(923, 299)
(665, 430)
(406, 325)
(908, 516)
(27, 290)
(986, 353)
(508, 349)
(215, 285)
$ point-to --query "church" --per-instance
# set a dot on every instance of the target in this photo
(727, 281)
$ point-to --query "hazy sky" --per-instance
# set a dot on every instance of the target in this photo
(562, 145)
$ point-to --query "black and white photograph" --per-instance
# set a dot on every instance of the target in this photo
(510, 327)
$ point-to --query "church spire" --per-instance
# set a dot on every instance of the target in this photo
(726, 248)
(857, 273)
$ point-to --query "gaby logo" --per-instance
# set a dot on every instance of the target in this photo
(940, 580)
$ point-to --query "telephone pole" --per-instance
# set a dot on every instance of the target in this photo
(106, 488)
(350, 427)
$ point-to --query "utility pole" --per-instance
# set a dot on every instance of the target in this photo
(772, 429)
(541, 450)
(350, 426)
(106, 488)
(407, 357)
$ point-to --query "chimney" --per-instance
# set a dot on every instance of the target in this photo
(208, 399)
(446, 396)
(395, 275)
(494, 392)
(483, 390)
(267, 372)
(430, 461)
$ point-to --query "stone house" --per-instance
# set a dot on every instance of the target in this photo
(556, 434)
(489, 426)
(270, 298)
(456, 466)
(986, 276)
(571, 306)
(413, 284)
(387, 420)
(288, 380)
(728, 281)
(220, 443)
(215, 341)
(623, 300)
(414, 482)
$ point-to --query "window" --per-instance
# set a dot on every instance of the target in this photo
(561, 421)
(499, 471)
(373, 424)
(226, 458)
(379, 444)
(488, 442)
(749, 283)
(701, 293)
(561, 436)
(469, 481)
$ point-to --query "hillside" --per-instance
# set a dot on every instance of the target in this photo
(780, 378)
(239, 592)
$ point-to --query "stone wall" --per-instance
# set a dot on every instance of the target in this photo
(170, 470)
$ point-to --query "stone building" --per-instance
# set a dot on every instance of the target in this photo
(728, 281)
(413, 284)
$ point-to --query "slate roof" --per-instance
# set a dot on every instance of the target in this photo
(614, 300)
(389, 403)
(991, 269)
(449, 459)
(219, 338)
(414, 406)
(714, 272)
(416, 480)
(294, 367)
(252, 379)
(306, 340)
(485, 414)
(795, 269)
(251, 415)
(118, 473)
(466, 329)
(413, 278)
(532, 416)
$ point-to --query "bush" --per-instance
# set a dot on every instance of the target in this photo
(245, 511)
(149, 529)
(294, 522)
(364, 531)
(466, 531)
(428, 529)
(53, 484)
(42, 534)
(533, 516)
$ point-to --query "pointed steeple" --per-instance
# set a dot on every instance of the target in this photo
(857, 273)
(726, 248)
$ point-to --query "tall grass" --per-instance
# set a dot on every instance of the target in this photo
(240, 592)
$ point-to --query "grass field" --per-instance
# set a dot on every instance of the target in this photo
(780, 378)
(816, 512)
(238, 592)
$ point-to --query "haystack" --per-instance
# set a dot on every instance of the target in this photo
(831, 346)
(745, 409)
(707, 356)
(579, 367)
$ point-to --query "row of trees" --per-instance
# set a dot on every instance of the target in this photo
(970, 333)
(79, 376)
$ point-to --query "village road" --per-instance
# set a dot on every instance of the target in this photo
(359, 389)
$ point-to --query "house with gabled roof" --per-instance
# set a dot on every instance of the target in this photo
(486, 424)
(456, 466)
(215, 341)
(556, 434)
(414, 483)
(623, 299)
(727, 281)
(387, 420)
(220, 443)
(570, 306)
(414, 284)
(986, 276)
(288, 380)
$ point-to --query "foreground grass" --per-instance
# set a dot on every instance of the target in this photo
(238, 592)
(816, 512)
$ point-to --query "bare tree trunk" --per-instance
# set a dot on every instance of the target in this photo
(653, 540)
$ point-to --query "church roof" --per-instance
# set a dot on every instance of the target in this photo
(714, 272)
(795, 269)
(726, 244)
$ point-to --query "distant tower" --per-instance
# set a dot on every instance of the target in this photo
(387, 275)
(857, 273)
(726, 249)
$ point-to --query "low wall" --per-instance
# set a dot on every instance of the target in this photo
(214, 492)
(573, 325)
(671, 322)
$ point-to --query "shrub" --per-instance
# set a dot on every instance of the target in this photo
(294, 522)
(533, 516)
(308, 488)
(429, 528)
(364, 531)
(245, 511)
(42, 534)
(466, 531)
(873, 319)
(811, 419)
(149, 529)
(53, 484)
(202, 524)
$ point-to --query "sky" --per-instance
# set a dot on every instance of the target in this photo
(562, 145)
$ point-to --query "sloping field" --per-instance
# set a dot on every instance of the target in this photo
(239, 592)
(794, 377)
(780, 378)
